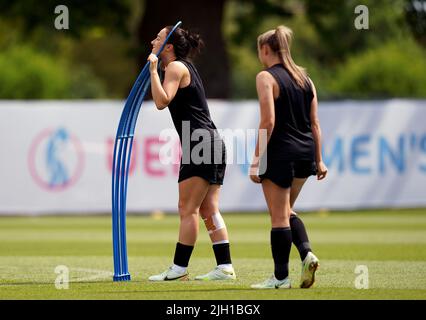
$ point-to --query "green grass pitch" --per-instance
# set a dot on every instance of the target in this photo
(391, 244)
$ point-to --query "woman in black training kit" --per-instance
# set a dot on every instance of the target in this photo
(201, 172)
(288, 113)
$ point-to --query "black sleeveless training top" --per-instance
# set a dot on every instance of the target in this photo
(291, 138)
(190, 104)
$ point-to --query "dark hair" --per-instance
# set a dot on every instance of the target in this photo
(185, 43)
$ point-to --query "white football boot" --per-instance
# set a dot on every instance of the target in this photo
(309, 266)
(218, 274)
(273, 283)
(170, 275)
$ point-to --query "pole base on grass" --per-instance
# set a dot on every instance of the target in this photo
(123, 277)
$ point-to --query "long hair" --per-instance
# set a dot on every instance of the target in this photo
(279, 40)
(185, 43)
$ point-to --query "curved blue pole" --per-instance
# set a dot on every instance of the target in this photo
(121, 164)
(141, 91)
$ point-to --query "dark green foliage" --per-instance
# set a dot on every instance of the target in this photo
(108, 41)
(416, 18)
(26, 74)
(391, 70)
(33, 14)
(250, 14)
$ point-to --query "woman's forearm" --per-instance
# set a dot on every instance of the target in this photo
(316, 133)
(158, 94)
(261, 147)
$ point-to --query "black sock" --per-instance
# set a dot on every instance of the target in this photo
(182, 254)
(281, 246)
(222, 253)
(300, 237)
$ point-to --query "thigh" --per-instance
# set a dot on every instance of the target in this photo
(210, 204)
(277, 199)
(296, 187)
(192, 192)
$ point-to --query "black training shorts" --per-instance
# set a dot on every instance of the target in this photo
(213, 172)
(282, 172)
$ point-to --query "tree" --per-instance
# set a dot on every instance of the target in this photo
(35, 19)
(334, 24)
(415, 14)
(204, 17)
(207, 17)
(31, 15)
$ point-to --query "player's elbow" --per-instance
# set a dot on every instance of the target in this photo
(161, 106)
(161, 103)
(315, 125)
(268, 124)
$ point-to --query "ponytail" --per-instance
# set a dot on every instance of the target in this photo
(195, 42)
(279, 40)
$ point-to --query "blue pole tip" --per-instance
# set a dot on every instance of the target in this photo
(122, 277)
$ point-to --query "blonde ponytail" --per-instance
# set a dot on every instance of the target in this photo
(279, 40)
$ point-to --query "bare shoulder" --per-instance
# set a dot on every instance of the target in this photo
(264, 77)
(177, 67)
(266, 84)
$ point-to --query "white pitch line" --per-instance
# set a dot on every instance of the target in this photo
(99, 274)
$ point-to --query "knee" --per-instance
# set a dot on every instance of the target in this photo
(280, 218)
(181, 206)
(207, 210)
(186, 210)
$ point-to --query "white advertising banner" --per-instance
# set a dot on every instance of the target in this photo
(57, 157)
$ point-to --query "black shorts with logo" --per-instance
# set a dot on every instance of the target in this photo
(213, 171)
(283, 172)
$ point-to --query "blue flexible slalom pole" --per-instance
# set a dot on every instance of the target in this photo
(121, 163)
(120, 272)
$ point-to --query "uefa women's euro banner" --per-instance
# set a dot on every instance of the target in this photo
(57, 156)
